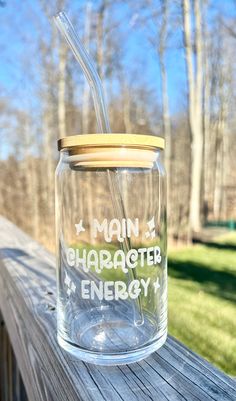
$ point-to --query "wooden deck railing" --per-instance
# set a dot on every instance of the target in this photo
(28, 308)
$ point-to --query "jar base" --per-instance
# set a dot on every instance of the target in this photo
(109, 359)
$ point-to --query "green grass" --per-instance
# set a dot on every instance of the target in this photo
(202, 295)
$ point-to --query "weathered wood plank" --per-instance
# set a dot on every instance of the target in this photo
(11, 385)
(27, 301)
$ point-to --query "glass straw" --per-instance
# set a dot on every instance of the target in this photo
(86, 63)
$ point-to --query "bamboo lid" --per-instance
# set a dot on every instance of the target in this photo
(111, 140)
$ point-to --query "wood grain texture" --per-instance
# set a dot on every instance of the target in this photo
(11, 385)
(27, 302)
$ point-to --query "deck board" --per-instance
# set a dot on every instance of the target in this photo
(28, 306)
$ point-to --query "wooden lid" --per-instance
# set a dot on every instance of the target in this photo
(111, 140)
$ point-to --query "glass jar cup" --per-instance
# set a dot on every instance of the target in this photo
(111, 247)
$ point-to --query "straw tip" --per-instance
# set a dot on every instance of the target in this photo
(59, 15)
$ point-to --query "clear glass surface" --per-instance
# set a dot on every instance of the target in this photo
(111, 272)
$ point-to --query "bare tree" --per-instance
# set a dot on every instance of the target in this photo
(165, 100)
(224, 83)
(154, 19)
(195, 88)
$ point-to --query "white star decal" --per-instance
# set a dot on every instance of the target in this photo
(156, 285)
(67, 280)
(79, 227)
(151, 226)
(73, 287)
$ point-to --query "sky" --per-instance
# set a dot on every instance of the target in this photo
(19, 64)
(17, 26)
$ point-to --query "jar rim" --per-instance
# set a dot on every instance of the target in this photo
(111, 139)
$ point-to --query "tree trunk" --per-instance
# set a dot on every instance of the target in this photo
(208, 157)
(195, 111)
(165, 102)
(127, 110)
(100, 37)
